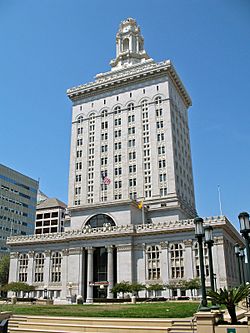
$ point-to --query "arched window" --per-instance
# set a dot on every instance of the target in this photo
(56, 262)
(80, 119)
(117, 110)
(177, 261)
(158, 100)
(39, 266)
(104, 113)
(153, 262)
(197, 259)
(99, 220)
(131, 107)
(125, 44)
(158, 106)
(144, 107)
(23, 261)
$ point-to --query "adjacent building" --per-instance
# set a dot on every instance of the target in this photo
(50, 215)
(17, 205)
(131, 195)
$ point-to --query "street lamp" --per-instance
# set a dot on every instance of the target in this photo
(209, 241)
(242, 257)
(45, 290)
(70, 287)
(199, 234)
(245, 229)
(237, 253)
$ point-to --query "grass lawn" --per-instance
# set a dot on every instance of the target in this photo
(141, 310)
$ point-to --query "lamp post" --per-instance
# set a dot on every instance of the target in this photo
(237, 253)
(242, 258)
(199, 234)
(245, 229)
(209, 241)
(70, 286)
(45, 292)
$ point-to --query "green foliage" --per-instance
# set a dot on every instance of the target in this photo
(230, 298)
(193, 284)
(136, 287)
(4, 269)
(127, 287)
(17, 287)
(156, 287)
(122, 287)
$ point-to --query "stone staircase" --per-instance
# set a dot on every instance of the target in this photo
(45, 324)
(183, 326)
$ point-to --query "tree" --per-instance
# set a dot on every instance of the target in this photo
(155, 287)
(136, 287)
(192, 284)
(4, 269)
(121, 287)
(17, 287)
(230, 298)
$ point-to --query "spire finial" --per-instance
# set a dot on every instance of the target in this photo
(129, 45)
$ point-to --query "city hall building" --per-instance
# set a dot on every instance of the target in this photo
(131, 194)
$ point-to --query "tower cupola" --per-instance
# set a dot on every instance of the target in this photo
(129, 45)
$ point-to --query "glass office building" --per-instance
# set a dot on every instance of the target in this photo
(18, 197)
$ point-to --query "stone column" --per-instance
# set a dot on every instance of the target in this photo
(90, 274)
(110, 271)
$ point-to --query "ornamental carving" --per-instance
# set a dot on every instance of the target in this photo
(164, 245)
(188, 242)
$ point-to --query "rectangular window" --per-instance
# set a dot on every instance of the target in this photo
(131, 130)
(79, 142)
(104, 125)
(118, 158)
(118, 145)
(104, 148)
(160, 136)
(132, 155)
(132, 168)
(131, 143)
(132, 182)
(79, 153)
(162, 164)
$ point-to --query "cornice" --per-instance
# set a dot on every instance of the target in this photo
(149, 68)
(88, 233)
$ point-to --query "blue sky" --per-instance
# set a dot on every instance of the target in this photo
(48, 46)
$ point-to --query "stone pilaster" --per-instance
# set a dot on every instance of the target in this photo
(30, 267)
(46, 269)
(124, 263)
(64, 274)
(188, 259)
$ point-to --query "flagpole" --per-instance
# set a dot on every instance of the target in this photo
(220, 200)
(143, 214)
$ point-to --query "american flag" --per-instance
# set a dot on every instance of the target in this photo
(105, 179)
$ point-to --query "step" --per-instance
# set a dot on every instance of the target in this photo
(91, 328)
(41, 330)
(152, 322)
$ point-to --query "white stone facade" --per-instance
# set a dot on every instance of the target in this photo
(128, 246)
(129, 144)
